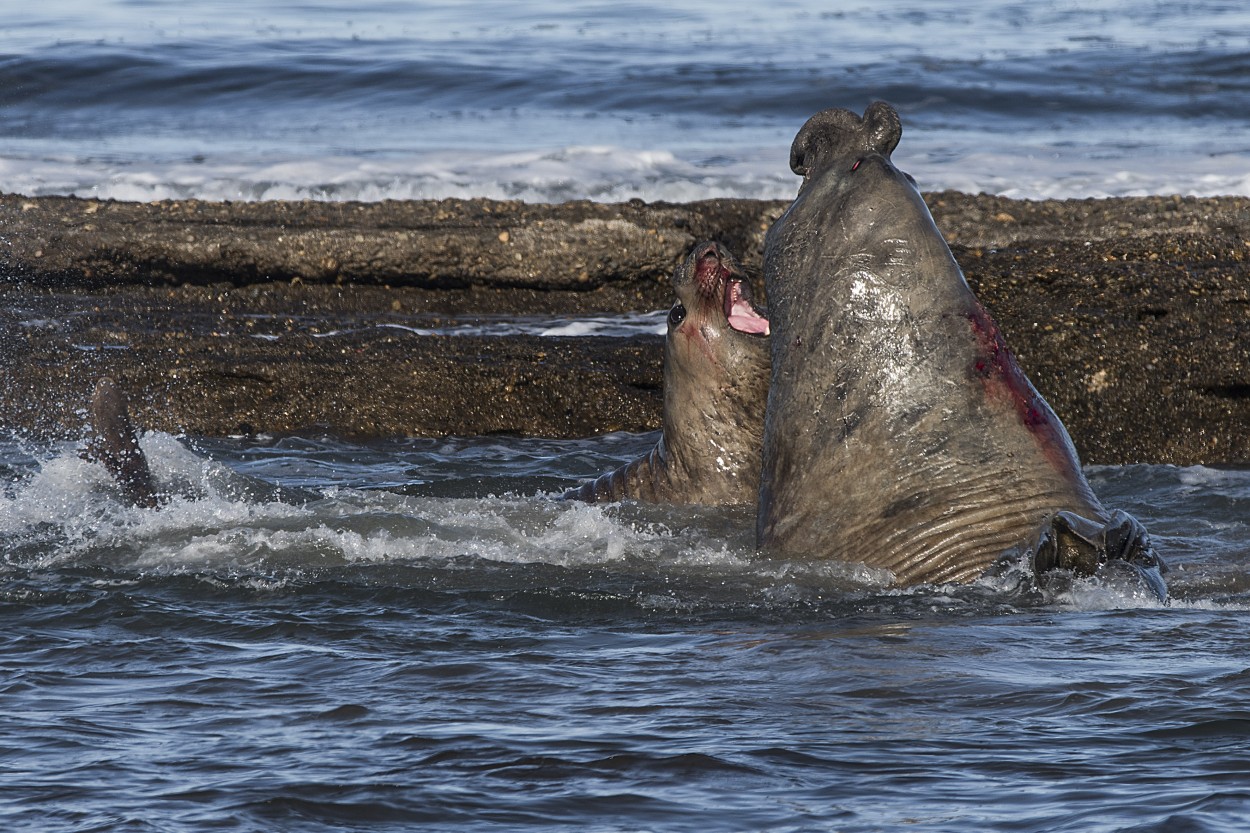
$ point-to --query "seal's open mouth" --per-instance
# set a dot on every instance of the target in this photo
(740, 312)
(714, 277)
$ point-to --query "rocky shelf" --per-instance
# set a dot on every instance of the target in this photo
(1131, 315)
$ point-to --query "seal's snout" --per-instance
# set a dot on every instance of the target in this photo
(709, 249)
(710, 256)
(712, 267)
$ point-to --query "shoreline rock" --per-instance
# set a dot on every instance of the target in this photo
(1129, 314)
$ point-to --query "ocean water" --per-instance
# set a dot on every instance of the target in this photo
(316, 635)
(411, 634)
(606, 100)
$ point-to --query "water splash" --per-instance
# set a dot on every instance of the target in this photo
(291, 510)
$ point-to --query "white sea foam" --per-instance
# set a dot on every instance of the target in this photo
(605, 174)
(627, 324)
(1065, 176)
(219, 520)
(610, 174)
(67, 512)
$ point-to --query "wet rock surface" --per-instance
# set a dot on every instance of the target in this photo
(1131, 315)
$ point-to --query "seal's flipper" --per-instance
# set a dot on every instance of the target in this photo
(113, 443)
(1083, 546)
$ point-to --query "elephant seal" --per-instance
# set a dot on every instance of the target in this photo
(900, 430)
(716, 370)
(113, 442)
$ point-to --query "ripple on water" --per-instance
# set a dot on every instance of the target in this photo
(287, 646)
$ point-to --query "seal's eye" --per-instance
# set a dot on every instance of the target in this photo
(676, 315)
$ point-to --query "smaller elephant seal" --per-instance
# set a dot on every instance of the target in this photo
(901, 432)
(716, 370)
(112, 441)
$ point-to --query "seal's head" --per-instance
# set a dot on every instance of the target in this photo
(844, 159)
(840, 140)
(852, 198)
(714, 302)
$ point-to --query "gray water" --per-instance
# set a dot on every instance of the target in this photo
(336, 99)
(319, 635)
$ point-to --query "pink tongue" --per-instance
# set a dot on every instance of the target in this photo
(744, 319)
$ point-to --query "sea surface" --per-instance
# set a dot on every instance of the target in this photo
(318, 635)
(612, 100)
(413, 634)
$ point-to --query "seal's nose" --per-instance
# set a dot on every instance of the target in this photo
(709, 267)
(710, 250)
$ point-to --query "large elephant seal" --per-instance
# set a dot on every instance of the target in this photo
(900, 431)
(113, 442)
(716, 371)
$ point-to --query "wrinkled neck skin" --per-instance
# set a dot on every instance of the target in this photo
(715, 390)
(900, 432)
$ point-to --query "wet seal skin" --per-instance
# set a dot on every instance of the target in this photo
(716, 372)
(113, 442)
(900, 430)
